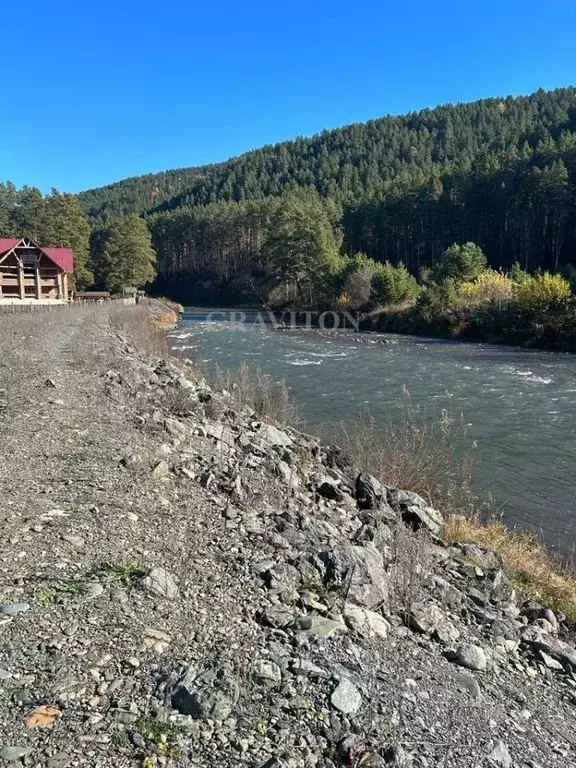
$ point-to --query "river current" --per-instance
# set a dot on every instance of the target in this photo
(518, 406)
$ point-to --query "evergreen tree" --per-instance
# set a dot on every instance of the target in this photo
(127, 257)
(62, 223)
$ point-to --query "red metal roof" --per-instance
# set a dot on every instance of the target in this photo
(7, 243)
(63, 257)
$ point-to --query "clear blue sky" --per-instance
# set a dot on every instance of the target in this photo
(97, 90)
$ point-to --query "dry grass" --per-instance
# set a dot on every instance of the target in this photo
(251, 388)
(415, 451)
(534, 571)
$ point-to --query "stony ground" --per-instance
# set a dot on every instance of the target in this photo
(182, 584)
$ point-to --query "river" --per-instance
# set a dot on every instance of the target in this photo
(517, 405)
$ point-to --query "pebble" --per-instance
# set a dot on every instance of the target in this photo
(346, 698)
(11, 609)
(471, 657)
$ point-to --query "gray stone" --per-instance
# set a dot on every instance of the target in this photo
(59, 760)
(267, 673)
(76, 541)
(206, 692)
(359, 570)
(550, 662)
(369, 492)
(4, 674)
(10, 754)
(500, 755)
(160, 583)
(467, 682)
(366, 622)
(283, 576)
(471, 657)
(275, 436)
(425, 618)
(11, 609)
(329, 489)
(346, 698)
(161, 470)
(321, 626)
(416, 513)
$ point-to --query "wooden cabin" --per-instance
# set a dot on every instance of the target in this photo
(30, 272)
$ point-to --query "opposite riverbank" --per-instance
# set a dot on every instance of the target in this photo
(183, 582)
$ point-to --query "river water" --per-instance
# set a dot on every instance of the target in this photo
(518, 405)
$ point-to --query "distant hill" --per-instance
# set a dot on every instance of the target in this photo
(498, 171)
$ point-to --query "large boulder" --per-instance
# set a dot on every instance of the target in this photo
(358, 571)
(369, 492)
(415, 512)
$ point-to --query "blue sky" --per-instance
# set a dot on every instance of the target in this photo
(97, 90)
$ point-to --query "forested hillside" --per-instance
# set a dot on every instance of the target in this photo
(499, 172)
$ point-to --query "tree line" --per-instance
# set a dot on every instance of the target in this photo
(399, 190)
(114, 257)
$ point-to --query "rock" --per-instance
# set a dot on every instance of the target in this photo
(76, 541)
(359, 570)
(288, 474)
(267, 673)
(161, 470)
(138, 740)
(415, 512)
(471, 657)
(320, 626)
(367, 623)
(10, 754)
(481, 556)
(160, 583)
(307, 669)
(276, 617)
(369, 492)
(550, 662)
(500, 755)
(446, 633)
(4, 674)
(11, 609)
(206, 691)
(328, 488)
(275, 436)
(282, 576)
(346, 698)
(176, 429)
(540, 640)
(425, 618)
(467, 682)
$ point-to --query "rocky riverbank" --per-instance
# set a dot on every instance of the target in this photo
(183, 584)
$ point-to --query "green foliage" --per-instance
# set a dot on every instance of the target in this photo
(54, 220)
(123, 254)
(302, 245)
(541, 292)
(394, 285)
(459, 262)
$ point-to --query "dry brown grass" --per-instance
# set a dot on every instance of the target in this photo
(251, 388)
(534, 571)
(416, 451)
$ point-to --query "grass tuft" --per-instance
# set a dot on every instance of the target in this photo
(534, 571)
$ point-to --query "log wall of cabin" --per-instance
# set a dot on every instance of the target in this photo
(23, 278)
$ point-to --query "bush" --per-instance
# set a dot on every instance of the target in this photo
(488, 286)
(435, 299)
(541, 292)
(463, 263)
(394, 285)
(357, 288)
(251, 388)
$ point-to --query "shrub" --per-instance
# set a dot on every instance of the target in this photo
(415, 450)
(541, 292)
(435, 299)
(394, 285)
(460, 262)
(488, 286)
(251, 388)
(358, 287)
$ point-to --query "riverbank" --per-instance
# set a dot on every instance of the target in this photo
(488, 323)
(184, 583)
